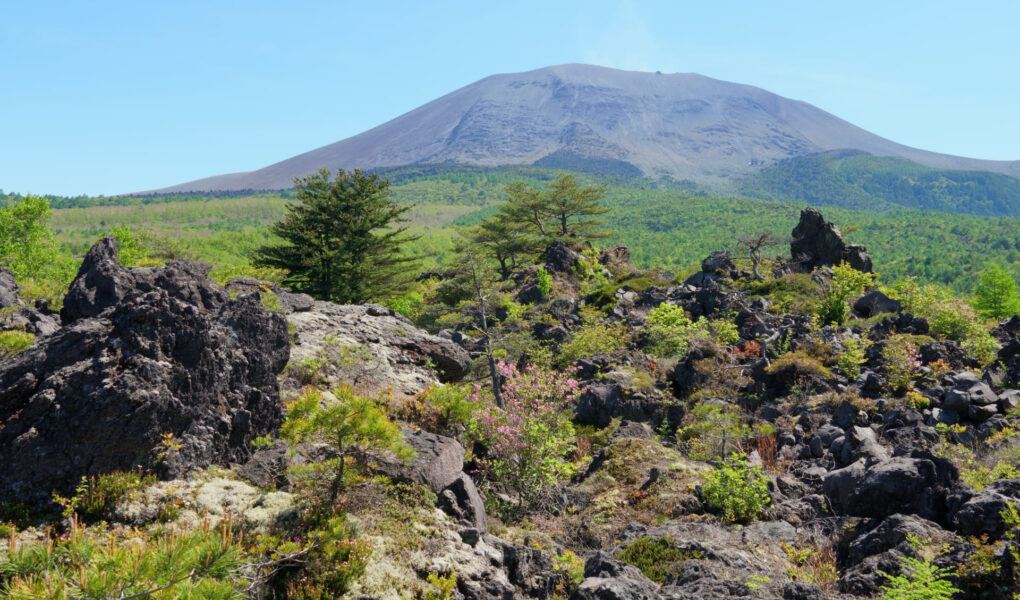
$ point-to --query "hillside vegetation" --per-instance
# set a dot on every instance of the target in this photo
(667, 225)
(854, 179)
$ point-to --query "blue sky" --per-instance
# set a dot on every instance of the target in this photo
(112, 97)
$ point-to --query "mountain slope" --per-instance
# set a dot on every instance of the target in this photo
(684, 125)
(857, 180)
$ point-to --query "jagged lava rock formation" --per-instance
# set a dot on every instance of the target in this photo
(143, 354)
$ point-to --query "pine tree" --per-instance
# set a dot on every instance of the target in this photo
(996, 296)
(558, 211)
(340, 240)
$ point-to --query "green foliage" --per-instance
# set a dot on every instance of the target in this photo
(336, 559)
(410, 304)
(96, 495)
(558, 211)
(853, 179)
(352, 426)
(453, 402)
(340, 240)
(847, 282)
(852, 358)
(27, 246)
(656, 557)
(995, 296)
(669, 331)
(724, 331)
(571, 567)
(799, 366)
(589, 339)
(901, 361)
(201, 564)
(948, 317)
(14, 342)
(129, 249)
(444, 587)
(737, 492)
(544, 281)
(712, 431)
(979, 476)
(526, 442)
(922, 581)
(793, 292)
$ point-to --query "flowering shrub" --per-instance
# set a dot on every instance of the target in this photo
(526, 442)
(902, 362)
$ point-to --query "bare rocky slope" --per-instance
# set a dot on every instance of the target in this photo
(681, 125)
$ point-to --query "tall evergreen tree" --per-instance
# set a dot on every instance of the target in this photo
(342, 239)
(996, 296)
(505, 240)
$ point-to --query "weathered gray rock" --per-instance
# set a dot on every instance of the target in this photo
(609, 579)
(818, 243)
(168, 354)
(289, 301)
(462, 501)
(437, 463)
(373, 348)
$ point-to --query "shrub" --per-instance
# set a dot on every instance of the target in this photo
(195, 565)
(737, 492)
(353, 427)
(527, 441)
(656, 557)
(846, 283)
(95, 496)
(670, 332)
(544, 281)
(901, 362)
(852, 358)
(335, 561)
(589, 339)
(922, 581)
(725, 332)
(799, 366)
(793, 292)
(714, 431)
(453, 402)
(14, 342)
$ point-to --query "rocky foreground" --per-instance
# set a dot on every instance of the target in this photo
(163, 371)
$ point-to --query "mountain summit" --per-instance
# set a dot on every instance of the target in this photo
(680, 125)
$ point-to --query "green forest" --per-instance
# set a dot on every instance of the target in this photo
(667, 225)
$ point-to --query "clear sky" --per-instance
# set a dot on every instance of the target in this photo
(113, 97)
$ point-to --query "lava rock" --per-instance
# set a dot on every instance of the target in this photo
(875, 302)
(561, 258)
(818, 243)
(146, 353)
(899, 485)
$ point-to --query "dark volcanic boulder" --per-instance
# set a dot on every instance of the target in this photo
(818, 243)
(899, 485)
(137, 363)
(103, 283)
(875, 302)
(561, 258)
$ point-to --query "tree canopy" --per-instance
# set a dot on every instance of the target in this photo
(342, 239)
(996, 296)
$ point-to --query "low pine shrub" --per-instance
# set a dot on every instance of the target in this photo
(737, 492)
